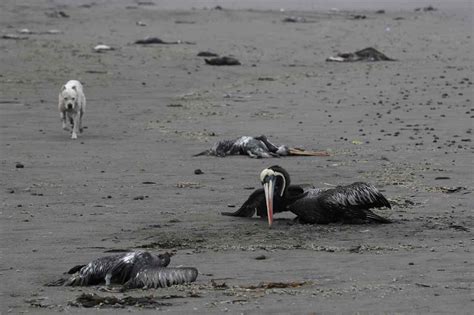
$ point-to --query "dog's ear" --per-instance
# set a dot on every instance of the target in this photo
(64, 87)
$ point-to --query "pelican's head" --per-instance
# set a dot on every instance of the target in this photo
(275, 180)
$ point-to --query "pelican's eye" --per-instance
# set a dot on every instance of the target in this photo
(265, 173)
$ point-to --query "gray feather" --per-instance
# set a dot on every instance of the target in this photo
(157, 277)
(118, 268)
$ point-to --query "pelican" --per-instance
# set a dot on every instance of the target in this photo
(138, 269)
(346, 204)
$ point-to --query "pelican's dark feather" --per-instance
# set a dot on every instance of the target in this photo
(359, 195)
(348, 204)
(75, 269)
(256, 203)
(158, 277)
(94, 272)
(130, 264)
(114, 269)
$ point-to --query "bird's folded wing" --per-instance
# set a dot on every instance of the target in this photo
(356, 195)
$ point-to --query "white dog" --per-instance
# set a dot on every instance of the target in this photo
(72, 104)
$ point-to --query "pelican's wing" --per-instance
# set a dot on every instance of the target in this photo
(352, 202)
(255, 203)
(94, 272)
(159, 277)
(372, 54)
(63, 280)
(129, 264)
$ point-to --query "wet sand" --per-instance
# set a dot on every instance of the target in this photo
(405, 126)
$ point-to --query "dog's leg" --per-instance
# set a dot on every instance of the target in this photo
(75, 125)
(63, 120)
(80, 121)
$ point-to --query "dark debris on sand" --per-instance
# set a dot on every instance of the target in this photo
(94, 300)
(207, 54)
(296, 19)
(276, 285)
(223, 61)
(159, 41)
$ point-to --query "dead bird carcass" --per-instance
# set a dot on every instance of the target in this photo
(137, 269)
(366, 54)
(256, 147)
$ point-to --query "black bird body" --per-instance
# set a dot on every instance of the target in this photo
(346, 204)
(133, 270)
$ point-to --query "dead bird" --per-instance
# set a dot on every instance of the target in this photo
(366, 54)
(223, 61)
(346, 204)
(138, 269)
(207, 54)
(159, 41)
(294, 19)
(255, 147)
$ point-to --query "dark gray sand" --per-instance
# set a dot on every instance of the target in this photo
(404, 126)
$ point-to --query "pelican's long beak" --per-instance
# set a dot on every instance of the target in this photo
(269, 188)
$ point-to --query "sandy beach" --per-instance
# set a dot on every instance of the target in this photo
(129, 182)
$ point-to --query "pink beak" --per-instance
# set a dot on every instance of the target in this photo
(269, 190)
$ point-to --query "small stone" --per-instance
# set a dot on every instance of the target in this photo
(19, 165)
(198, 171)
(261, 257)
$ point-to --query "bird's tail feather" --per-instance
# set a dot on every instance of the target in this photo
(376, 218)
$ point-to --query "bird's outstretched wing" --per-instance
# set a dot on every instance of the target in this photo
(159, 277)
